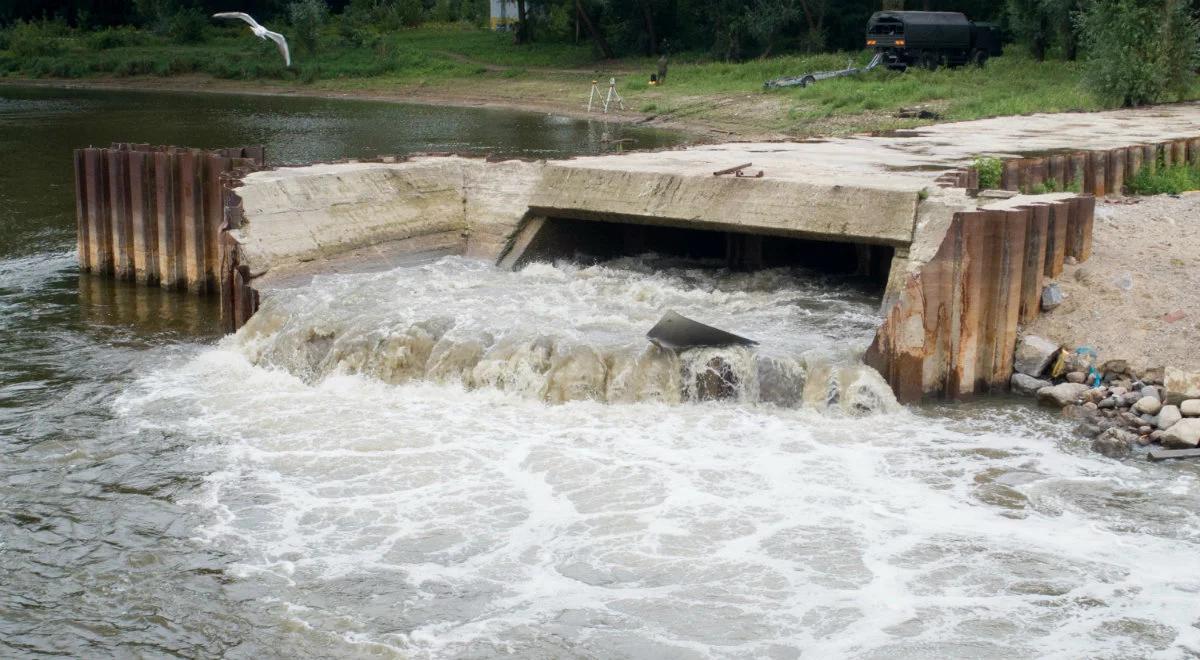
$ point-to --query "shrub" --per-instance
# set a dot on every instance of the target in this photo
(307, 18)
(385, 14)
(1139, 51)
(989, 170)
(33, 38)
(186, 26)
(116, 38)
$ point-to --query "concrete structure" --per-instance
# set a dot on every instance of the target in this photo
(902, 196)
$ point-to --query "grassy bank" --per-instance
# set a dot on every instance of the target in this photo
(476, 66)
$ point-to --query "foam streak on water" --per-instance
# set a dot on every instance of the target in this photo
(423, 519)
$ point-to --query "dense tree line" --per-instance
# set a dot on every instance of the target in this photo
(733, 29)
(1137, 51)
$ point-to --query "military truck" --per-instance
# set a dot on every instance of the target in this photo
(931, 39)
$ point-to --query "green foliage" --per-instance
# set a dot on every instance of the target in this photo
(307, 18)
(989, 170)
(1140, 51)
(120, 37)
(186, 26)
(1161, 180)
(384, 15)
(33, 38)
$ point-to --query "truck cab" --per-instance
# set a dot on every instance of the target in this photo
(930, 39)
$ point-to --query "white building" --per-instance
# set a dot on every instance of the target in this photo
(504, 14)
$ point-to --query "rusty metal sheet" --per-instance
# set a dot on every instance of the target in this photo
(1079, 238)
(214, 211)
(82, 242)
(1056, 238)
(189, 194)
(1097, 182)
(1077, 169)
(971, 302)
(170, 240)
(1133, 162)
(119, 219)
(141, 216)
(1033, 271)
(99, 234)
(1115, 183)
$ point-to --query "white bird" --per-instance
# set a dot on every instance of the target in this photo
(260, 32)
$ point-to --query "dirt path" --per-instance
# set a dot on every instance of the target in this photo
(1138, 297)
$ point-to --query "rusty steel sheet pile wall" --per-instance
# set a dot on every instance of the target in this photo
(1097, 173)
(153, 214)
(953, 330)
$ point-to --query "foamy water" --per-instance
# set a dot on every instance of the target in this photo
(378, 511)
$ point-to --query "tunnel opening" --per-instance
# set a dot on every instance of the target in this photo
(594, 241)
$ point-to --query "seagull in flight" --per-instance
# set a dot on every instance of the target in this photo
(260, 32)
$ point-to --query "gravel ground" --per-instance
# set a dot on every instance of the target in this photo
(1138, 297)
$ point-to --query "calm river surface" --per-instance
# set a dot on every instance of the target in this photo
(306, 489)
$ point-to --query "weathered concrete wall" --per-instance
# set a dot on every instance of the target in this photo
(857, 211)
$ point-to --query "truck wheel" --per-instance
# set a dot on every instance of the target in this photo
(979, 57)
(807, 80)
(930, 61)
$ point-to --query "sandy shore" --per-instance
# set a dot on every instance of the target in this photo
(1138, 297)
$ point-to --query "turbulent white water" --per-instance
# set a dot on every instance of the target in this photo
(470, 511)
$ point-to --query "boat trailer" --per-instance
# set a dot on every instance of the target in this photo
(810, 78)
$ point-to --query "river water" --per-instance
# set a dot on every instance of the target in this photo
(451, 461)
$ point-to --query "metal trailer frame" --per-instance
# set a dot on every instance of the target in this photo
(810, 78)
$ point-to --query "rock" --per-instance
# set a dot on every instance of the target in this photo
(1184, 434)
(1120, 367)
(1088, 405)
(1052, 296)
(1168, 416)
(1130, 420)
(1148, 419)
(1027, 385)
(1130, 398)
(1155, 375)
(1109, 403)
(1190, 408)
(1148, 405)
(1034, 355)
(1144, 430)
(1114, 443)
(1181, 385)
(1082, 362)
(1061, 395)
(1151, 391)
(1117, 391)
(1070, 261)
(1156, 436)
(1076, 377)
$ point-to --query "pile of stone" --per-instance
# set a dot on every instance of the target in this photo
(1115, 405)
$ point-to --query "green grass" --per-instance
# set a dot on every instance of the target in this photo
(456, 59)
(1162, 180)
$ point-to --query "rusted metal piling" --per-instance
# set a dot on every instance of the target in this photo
(952, 332)
(1097, 173)
(154, 214)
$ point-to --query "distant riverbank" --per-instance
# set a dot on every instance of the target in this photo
(448, 65)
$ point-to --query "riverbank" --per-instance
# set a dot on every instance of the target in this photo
(454, 66)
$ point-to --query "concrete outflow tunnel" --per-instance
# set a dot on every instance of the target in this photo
(594, 240)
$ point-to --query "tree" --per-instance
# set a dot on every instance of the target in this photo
(1140, 51)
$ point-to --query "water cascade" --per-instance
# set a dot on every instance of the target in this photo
(565, 332)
